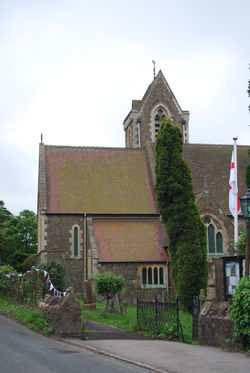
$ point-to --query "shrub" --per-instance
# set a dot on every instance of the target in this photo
(108, 285)
(4, 281)
(29, 262)
(57, 274)
(240, 311)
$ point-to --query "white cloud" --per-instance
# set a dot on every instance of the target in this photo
(71, 69)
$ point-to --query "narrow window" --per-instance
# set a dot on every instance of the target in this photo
(150, 276)
(211, 243)
(144, 276)
(157, 119)
(206, 220)
(161, 276)
(219, 243)
(75, 241)
(155, 276)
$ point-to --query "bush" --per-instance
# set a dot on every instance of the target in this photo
(4, 281)
(240, 311)
(108, 285)
(56, 273)
(29, 262)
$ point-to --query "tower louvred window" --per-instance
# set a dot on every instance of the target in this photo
(160, 114)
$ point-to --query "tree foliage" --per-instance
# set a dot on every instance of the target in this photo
(56, 272)
(176, 202)
(108, 284)
(18, 236)
(5, 215)
(240, 311)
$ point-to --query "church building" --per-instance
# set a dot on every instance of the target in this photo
(97, 210)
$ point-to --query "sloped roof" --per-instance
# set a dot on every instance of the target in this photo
(130, 241)
(98, 180)
(210, 167)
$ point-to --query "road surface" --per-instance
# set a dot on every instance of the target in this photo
(21, 350)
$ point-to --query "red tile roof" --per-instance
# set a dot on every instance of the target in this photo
(98, 180)
(130, 241)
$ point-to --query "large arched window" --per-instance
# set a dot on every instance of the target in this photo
(214, 236)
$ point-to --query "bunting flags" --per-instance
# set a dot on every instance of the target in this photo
(48, 282)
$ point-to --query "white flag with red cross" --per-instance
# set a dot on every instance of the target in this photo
(234, 201)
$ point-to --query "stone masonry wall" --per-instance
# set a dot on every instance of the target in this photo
(132, 279)
(159, 95)
(59, 247)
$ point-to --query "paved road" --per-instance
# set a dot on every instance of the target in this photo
(21, 350)
(170, 357)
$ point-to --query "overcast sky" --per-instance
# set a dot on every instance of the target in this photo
(70, 68)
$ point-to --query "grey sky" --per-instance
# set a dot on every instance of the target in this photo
(69, 69)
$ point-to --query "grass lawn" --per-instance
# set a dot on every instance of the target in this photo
(129, 321)
(126, 322)
(27, 315)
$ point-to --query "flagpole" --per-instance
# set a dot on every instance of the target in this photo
(236, 236)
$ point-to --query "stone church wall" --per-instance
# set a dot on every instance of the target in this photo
(59, 247)
(133, 284)
(160, 95)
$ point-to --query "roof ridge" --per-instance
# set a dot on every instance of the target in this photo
(202, 144)
(93, 148)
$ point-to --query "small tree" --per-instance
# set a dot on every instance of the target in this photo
(240, 311)
(108, 285)
(176, 202)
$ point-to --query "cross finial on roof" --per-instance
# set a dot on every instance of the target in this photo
(205, 186)
(154, 68)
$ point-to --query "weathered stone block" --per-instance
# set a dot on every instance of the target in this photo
(65, 316)
(213, 330)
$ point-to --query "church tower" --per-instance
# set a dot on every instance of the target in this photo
(142, 124)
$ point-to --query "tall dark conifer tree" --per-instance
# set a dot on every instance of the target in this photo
(176, 202)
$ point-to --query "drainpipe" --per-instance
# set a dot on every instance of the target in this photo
(85, 253)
